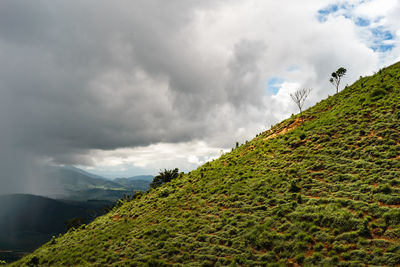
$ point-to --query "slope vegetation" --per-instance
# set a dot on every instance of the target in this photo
(322, 193)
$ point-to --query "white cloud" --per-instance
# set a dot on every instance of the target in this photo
(154, 157)
(375, 8)
(151, 159)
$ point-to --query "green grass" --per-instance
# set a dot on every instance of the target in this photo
(325, 193)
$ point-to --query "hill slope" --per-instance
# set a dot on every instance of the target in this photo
(326, 192)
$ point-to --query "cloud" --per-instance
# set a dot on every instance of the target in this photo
(82, 81)
(153, 158)
(375, 8)
(371, 17)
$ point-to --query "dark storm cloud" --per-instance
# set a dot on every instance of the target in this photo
(245, 73)
(84, 76)
(81, 75)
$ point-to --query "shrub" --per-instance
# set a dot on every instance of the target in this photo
(392, 216)
(293, 187)
(74, 223)
(164, 177)
(377, 94)
(299, 258)
(264, 240)
(319, 247)
(386, 189)
(302, 136)
(34, 261)
(364, 230)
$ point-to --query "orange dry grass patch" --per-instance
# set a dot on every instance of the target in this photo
(287, 129)
(373, 134)
(388, 205)
(116, 217)
(291, 262)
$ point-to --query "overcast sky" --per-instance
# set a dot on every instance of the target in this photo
(132, 87)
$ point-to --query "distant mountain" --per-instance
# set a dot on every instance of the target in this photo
(136, 182)
(148, 178)
(27, 221)
(74, 183)
(75, 169)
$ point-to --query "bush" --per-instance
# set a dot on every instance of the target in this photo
(74, 223)
(34, 261)
(299, 258)
(293, 187)
(302, 136)
(364, 230)
(386, 189)
(319, 247)
(164, 177)
(377, 94)
(392, 216)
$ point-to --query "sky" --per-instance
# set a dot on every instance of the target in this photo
(124, 88)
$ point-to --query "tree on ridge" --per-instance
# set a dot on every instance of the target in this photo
(336, 77)
(299, 97)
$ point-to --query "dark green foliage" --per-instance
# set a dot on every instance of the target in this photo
(392, 216)
(74, 223)
(293, 187)
(164, 177)
(34, 261)
(364, 229)
(329, 197)
(121, 201)
(299, 258)
(302, 136)
(377, 94)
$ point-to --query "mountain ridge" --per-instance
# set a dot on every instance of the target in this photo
(73, 183)
(323, 193)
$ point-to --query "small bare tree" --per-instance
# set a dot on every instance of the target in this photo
(299, 97)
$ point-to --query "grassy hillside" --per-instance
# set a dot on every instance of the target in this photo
(322, 193)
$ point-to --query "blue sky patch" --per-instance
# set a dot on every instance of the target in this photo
(362, 22)
(381, 38)
(324, 13)
(345, 11)
(383, 47)
(328, 10)
(381, 35)
(273, 85)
